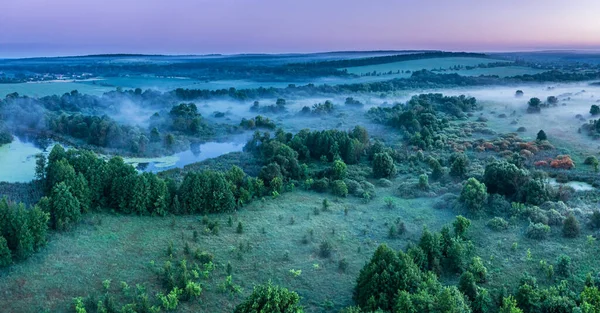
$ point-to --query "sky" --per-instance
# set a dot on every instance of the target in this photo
(76, 27)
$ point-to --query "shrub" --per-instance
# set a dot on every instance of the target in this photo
(339, 188)
(339, 170)
(497, 205)
(423, 182)
(240, 228)
(352, 185)
(554, 217)
(459, 165)
(473, 195)
(270, 298)
(478, 270)
(594, 109)
(461, 225)
(504, 178)
(571, 227)
(595, 219)
(467, 285)
(325, 249)
(321, 185)
(383, 165)
(541, 135)
(563, 265)
(384, 183)
(538, 231)
(5, 256)
(497, 224)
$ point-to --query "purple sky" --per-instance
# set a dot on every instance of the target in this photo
(70, 27)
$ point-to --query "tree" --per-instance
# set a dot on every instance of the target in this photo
(594, 109)
(383, 165)
(552, 100)
(5, 256)
(478, 270)
(534, 105)
(459, 165)
(467, 285)
(519, 93)
(40, 166)
(474, 195)
(541, 135)
(509, 305)
(339, 170)
(571, 228)
(452, 300)
(38, 224)
(271, 299)
(383, 277)
(461, 225)
(504, 178)
(64, 208)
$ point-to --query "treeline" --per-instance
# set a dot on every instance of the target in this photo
(558, 76)
(424, 116)
(87, 118)
(22, 231)
(386, 59)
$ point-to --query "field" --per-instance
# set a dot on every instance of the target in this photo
(428, 64)
(42, 89)
(121, 248)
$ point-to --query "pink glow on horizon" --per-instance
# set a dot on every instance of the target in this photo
(63, 27)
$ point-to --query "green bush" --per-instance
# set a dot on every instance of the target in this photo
(478, 269)
(339, 188)
(595, 220)
(270, 298)
(571, 227)
(474, 195)
(563, 265)
(5, 256)
(538, 231)
(325, 249)
(383, 166)
(423, 182)
(467, 285)
(459, 163)
(497, 224)
(461, 225)
(321, 185)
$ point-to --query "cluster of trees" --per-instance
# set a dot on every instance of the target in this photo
(22, 231)
(407, 282)
(78, 181)
(278, 107)
(257, 122)
(353, 102)
(319, 108)
(424, 116)
(394, 282)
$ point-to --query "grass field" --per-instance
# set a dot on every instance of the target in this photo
(42, 89)
(428, 64)
(121, 248)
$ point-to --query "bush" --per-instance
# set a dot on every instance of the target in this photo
(321, 185)
(423, 182)
(497, 205)
(478, 269)
(383, 165)
(339, 188)
(571, 227)
(459, 165)
(353, 186)
(595, 220)
(473, 195)
(325, 249)
(5, 256)
(541, 135)
(563, 265)
(384, 183)
(538, 231)
(269, 298)
(497, 224)
(555, 218)
(467, 285)
(461, 225)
